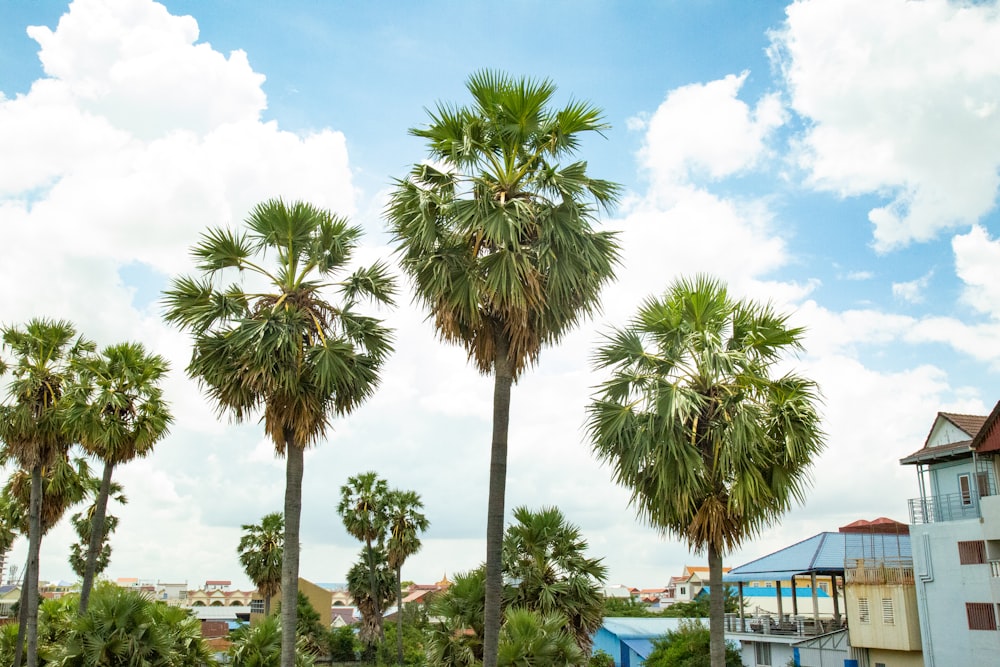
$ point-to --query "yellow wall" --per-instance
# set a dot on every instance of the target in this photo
(320, 598)
(902, 635)
(895, 658)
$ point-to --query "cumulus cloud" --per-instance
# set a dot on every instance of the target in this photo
(901, 102)
(705, 129)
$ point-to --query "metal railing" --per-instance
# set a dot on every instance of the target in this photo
(787, 625)
(949, 507)
(883, 571)
(995, 568)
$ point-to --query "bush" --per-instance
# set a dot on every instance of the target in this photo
(341, 644)
(688, 646)
(601, 659)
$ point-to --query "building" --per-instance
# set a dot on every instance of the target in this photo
(799, 633)
(955, 531)
(630, 640)
(320, 598)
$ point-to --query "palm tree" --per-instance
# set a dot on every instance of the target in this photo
(260, 551)
(363, 509)
(34, 426)
(405, 522)
(121, 414)
(497, 239)
(544, 556)
(693, 421)
(279, 346)
(371, 583)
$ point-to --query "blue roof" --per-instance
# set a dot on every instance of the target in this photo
(640, 628)
(825, 553)
(643, 647)
(769, 591)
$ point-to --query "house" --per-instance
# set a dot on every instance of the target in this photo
(320, 598)
(630, 640)
(217, 596)
(955, 531)
(175, 595)
(9, 595)
(688, 585)
(806, 636)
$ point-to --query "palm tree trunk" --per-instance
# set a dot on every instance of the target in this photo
(22, 619)
(399, 615)
(290, 560)
(377, 613)
(96, 536)
(503, 378)
(267, 607)
(34, 544)
(716, 608)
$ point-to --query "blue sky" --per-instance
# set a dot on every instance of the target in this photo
(837, 157)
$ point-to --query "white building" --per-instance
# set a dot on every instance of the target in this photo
(955, 534)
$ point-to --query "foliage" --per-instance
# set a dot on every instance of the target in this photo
(83, 524)
(260, 552)
(309, 629)
(495, 233)
(601, 659)
(530, 637)
(415, 625)
(694, 421)
(627, 608)
(122, 627)
(341, 644)
(688, 646)
(549, 578)
(545, 556)
(359, 584)
(273, 343)
(405, 522)
(259, 645)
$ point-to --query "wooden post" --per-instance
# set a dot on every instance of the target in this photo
(777, 590)
(795, 599)
(743, 626)
(836, 603)
(812, 579)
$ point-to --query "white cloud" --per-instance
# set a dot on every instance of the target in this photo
(912, 291)
(977, 257)
(706, 129)
(900, 98)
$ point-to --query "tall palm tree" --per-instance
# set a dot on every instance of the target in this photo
(405, 522)
(261, 550)
(497, 239)
(119, 408)
(693, 420)
(545, 557)
(35, 428)
(278, 345)
(363, 509)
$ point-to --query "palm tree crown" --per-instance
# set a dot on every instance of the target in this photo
(694, 422)
(260, 551)
(273, 343)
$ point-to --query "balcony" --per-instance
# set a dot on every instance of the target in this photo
(950, 507)
(787, 625)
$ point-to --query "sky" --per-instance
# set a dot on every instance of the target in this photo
(838, 158)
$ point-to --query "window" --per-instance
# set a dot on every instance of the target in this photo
(888, 614)
(965, 488)
(683, 591)
(972, 553)
(981, 616)
(864, 616)
(762, 653)
(256, 606)
(879, 664)
(825, 587)
(983, 483)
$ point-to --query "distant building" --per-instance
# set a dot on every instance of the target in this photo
(955, 528)
(320, 598)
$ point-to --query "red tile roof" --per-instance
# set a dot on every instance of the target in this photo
(988, 438)
(968, 423)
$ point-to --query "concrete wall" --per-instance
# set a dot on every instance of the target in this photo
(895, 658)
(902, 634)
(943, 588)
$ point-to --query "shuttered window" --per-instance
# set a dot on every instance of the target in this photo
(981, 616)
(864, 615)
(972, 553)
(888, 613)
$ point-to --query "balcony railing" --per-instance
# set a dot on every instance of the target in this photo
(884, 571)
(950, 507)
(795, 626)
(995, 568)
